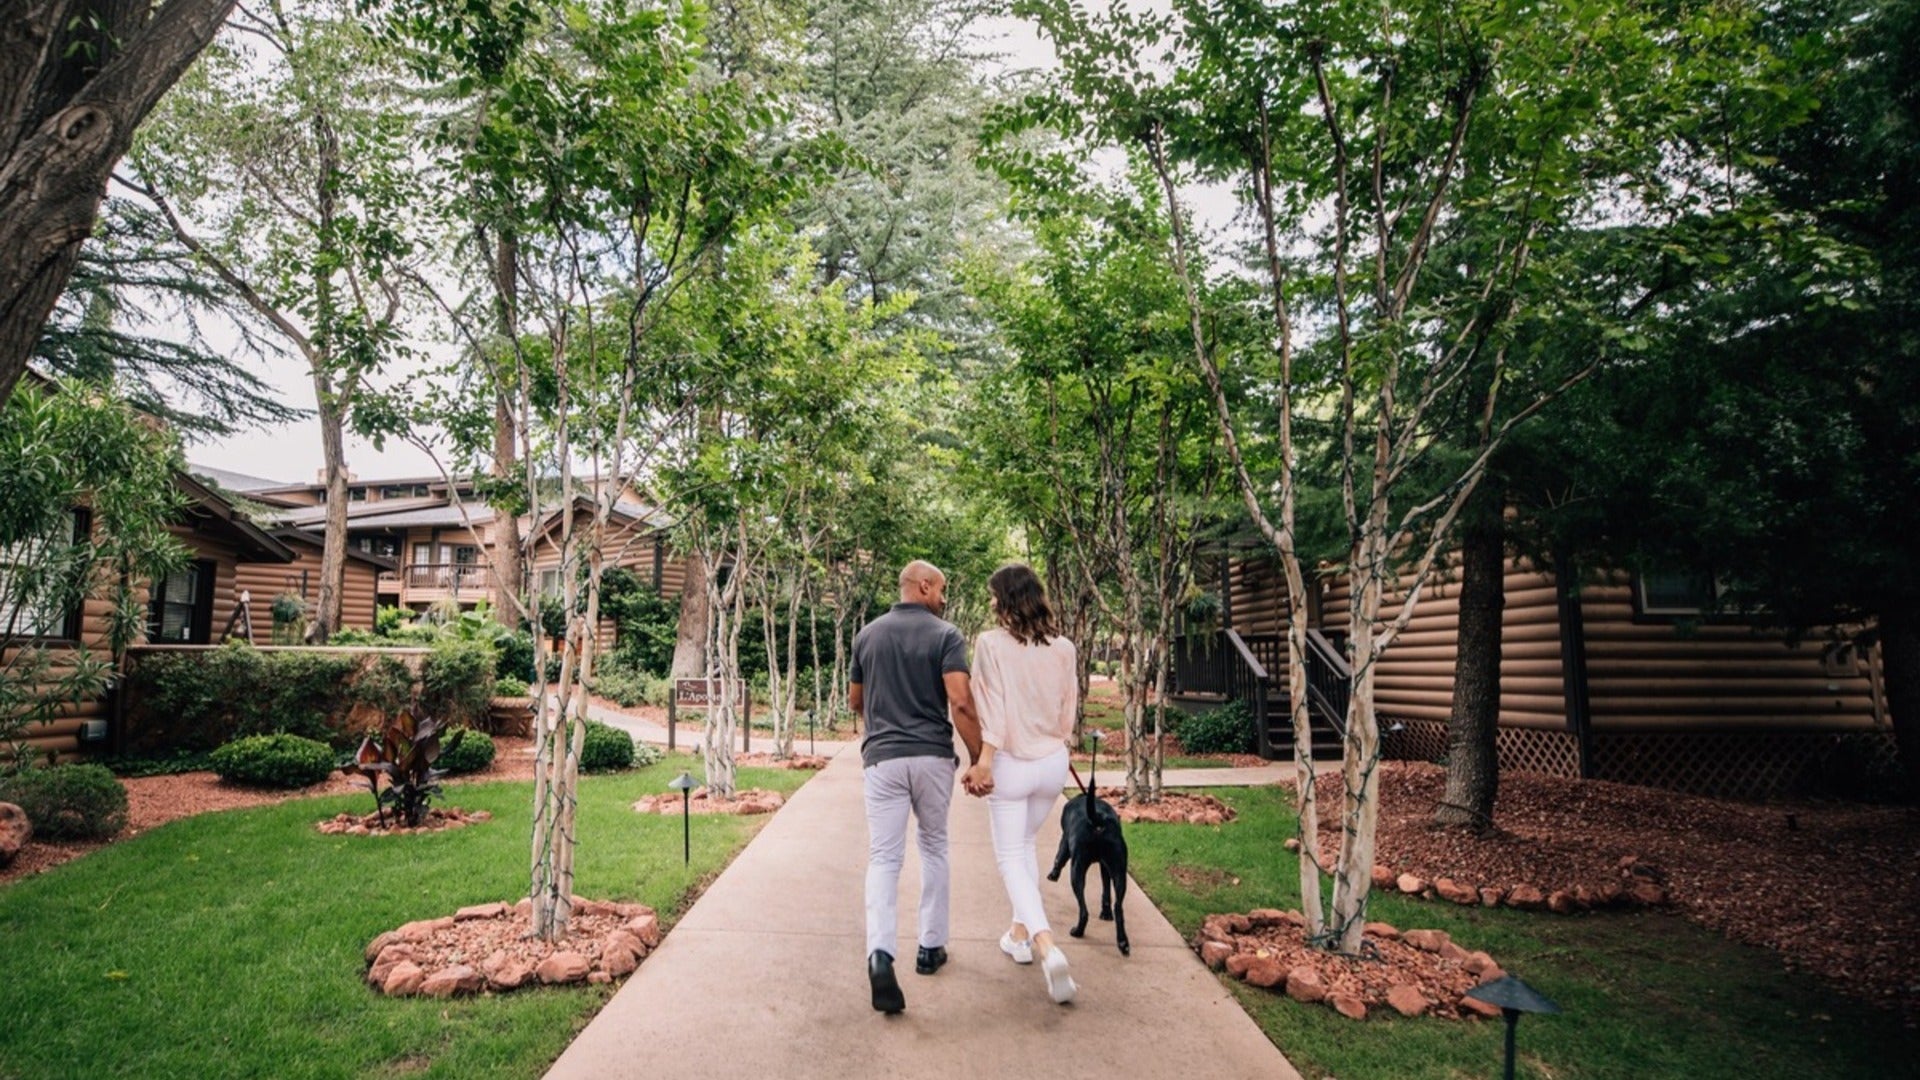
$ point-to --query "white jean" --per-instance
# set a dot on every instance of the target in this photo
(923, 785)
(1025, 792)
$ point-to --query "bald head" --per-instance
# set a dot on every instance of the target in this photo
(922, 583)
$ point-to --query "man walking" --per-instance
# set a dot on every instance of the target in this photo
(908, 667)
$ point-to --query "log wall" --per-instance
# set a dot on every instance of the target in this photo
(266, 580)
(1643, 675)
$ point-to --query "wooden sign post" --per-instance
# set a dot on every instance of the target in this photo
(703, 694)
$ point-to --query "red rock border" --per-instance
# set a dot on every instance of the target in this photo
(437, 957)
(1415, 973)
(747, 801)
(1638, 886)
(438, 820)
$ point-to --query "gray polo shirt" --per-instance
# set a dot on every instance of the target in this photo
(899, 660)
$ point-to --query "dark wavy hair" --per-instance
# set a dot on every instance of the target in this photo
(1022, 604)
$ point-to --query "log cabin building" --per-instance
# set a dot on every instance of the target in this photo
(1627, 677)
(197, 604)
(429, 541)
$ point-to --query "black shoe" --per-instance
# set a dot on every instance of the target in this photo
(887, 997)
(929, 960)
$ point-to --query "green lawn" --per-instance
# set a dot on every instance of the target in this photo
(1645, 995)
(229, 945)
(1196, 763)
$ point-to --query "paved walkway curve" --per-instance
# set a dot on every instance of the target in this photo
(765, 977)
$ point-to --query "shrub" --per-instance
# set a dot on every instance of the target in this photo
(507, 686)
(648, 625)
(618, 681)
(277, 761)
(68, 802)
(1225, 730)
(201, 699)
(606, 748)
(465, 750)
(514, 659)
(456, 681)
(170, 764)
(388, 617)
(645, 754)
(386, 685)
(354, 637)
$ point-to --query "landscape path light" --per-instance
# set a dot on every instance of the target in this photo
(684, 785)
(1513, 998)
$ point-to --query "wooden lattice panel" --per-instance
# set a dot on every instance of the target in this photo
(1735, 765)
(1417, 740)
(1553, 753)
(1549, 753)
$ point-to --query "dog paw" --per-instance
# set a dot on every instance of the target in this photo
(1126, 949)
(1078, 931)
(1055, 876)
(1106, 916)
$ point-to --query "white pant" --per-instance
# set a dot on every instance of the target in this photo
(1025, 792)
(925, 786)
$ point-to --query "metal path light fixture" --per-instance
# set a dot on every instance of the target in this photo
(1513, 997)
(684, 785)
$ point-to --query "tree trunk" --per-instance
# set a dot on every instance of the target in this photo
(1360, 765)
(508, 566)
(76, 79)
(1473, 766)
(690, 642)
(1900, 654)
(333, 550)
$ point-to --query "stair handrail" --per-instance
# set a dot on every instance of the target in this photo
(1239, 644)
(1329, 680)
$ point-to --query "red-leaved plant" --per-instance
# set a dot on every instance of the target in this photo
(404, 754)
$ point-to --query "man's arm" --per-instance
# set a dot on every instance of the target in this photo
(965, 719)
(857, 701)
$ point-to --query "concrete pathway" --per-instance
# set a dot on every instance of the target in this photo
(765, 977)
(649, 731)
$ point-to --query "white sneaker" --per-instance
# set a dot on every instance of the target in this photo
(1060, 985)
(1021, 952)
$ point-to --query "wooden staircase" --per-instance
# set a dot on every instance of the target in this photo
(1225, 666)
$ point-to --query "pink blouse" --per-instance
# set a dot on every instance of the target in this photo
(1026, 694)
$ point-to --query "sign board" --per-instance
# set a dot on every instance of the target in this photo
(703, 693)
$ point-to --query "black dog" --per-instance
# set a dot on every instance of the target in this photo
(1089, 834)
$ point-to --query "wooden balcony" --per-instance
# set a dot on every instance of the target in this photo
(426, 582)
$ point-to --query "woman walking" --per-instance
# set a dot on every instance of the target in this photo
(1026, 688)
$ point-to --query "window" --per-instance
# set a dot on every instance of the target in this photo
(1674, 592)
(181, 609)
(32, 598)
(550, 582)
(358, 494)
(1692, 593)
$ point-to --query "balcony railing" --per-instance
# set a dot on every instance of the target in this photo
(444, 577)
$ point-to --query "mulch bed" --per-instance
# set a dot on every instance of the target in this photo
(768, 761)
(375, 824)
(1176, 807)
(488, 948)
(1420, 972)
(1833, 889)
(745, 801)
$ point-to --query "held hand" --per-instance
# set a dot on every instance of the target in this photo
(978, 780)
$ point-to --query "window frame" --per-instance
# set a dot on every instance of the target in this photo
(200, 607)
(71, 621)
